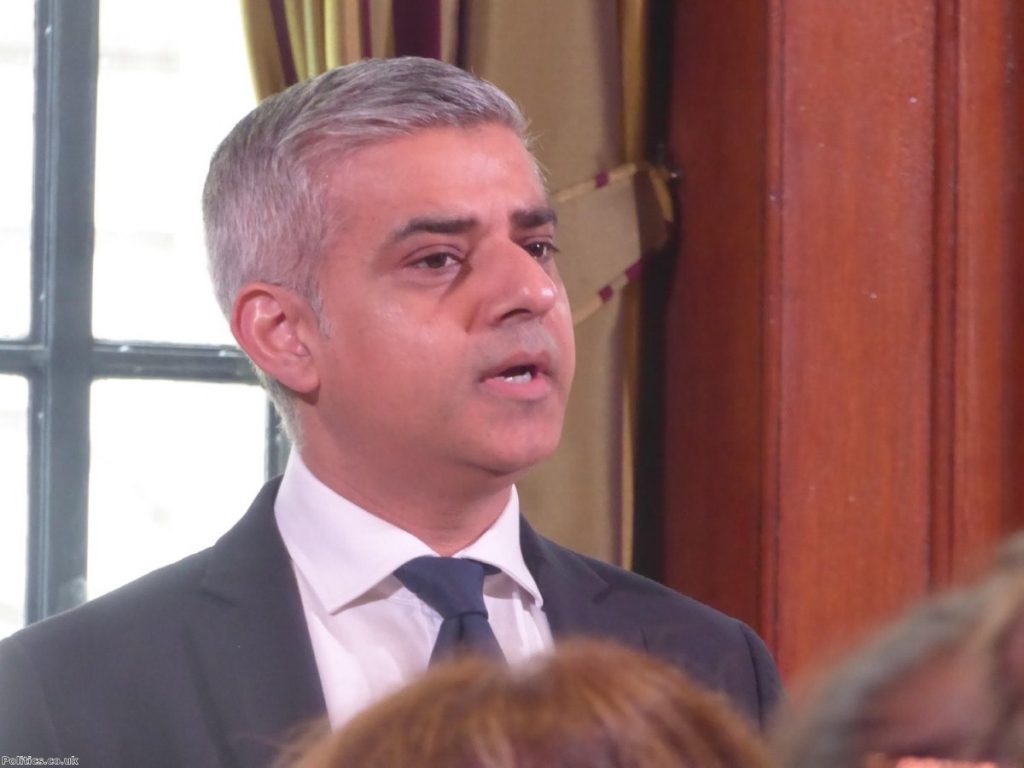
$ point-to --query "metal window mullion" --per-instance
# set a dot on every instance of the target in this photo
(67, 46)
(184, 362)
(21, 358)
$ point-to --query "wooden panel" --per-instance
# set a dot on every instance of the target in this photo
(1014, 191)
(989, 284)
(943, 434)
(799, 353)
(845, 342)
(856, 312)
(713, 482)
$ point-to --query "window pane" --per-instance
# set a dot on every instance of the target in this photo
(173, 80)
(173, 465)
(13, 501)
(16, 84)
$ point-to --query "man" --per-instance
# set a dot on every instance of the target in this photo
(382, 244)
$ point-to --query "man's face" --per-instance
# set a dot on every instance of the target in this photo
(448, 348)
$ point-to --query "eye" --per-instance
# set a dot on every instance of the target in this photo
(435, 261)
(541, 249)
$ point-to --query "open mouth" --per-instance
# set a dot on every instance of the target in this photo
(518, 374)
(522, 376)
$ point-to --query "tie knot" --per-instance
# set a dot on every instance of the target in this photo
(452, 586)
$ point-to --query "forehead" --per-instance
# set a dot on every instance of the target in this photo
(439, 166)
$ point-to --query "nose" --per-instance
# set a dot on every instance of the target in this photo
(518, 286)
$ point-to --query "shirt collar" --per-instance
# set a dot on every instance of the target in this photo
(344, 551)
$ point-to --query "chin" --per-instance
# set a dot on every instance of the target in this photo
(514, 463)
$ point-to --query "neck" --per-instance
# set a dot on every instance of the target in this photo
(447, 517)
(447, 531)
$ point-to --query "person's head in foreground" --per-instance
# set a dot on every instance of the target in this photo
(946, 682)
(382, 243)
(588, 705)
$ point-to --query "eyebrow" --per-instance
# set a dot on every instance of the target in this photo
(531, 218)
(528, 218)
(434, 226)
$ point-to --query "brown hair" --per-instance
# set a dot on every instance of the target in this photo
(589, 705)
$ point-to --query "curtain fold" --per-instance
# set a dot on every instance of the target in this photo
(293, 40)
(633, 52)
(578, 69)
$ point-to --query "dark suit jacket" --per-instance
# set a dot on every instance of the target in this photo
(208, 662)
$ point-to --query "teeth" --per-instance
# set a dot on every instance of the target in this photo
(519, 378)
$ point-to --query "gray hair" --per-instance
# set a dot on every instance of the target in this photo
(265, 205)
(974, 626)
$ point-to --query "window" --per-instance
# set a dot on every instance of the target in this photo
(16, 47)
(13, 500)
(131, 429)
(16, 61)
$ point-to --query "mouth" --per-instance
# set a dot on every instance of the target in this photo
(522, 377)
(519, 374)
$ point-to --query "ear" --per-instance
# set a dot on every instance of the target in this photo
(273, 325)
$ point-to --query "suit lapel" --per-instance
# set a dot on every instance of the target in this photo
(250, 649)
(573, 593)
(249, 642)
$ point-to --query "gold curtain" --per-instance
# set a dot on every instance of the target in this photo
(577, 67)
(292, 40)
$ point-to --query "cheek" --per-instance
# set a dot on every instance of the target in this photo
(405, 346)
(375, 328)
(567, 341)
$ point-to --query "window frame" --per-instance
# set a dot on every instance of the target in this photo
(60, 358)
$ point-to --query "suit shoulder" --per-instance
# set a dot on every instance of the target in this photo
(150, 601)
(717, 650)
(647, 594)
(62, 677)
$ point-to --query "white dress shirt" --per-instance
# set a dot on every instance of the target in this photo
(370, 634)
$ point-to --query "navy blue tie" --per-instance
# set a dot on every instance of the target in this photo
(454, 587)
